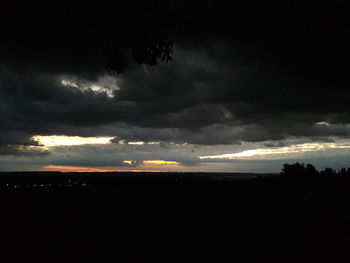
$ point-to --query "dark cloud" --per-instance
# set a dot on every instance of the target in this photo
(83, 36)
(251, 72)
(20, 150)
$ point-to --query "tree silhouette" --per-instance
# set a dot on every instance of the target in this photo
(311, 170)
(296, 169)
(145, 51)
(300, 170)
(328, 172)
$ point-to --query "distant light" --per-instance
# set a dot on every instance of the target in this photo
(61, 140)
(160, 162)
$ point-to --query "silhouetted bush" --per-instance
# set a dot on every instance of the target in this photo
(296, 169)
(311, 170)
(328, 172)
(300, 170)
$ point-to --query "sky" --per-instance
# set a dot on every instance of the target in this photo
(174, 85)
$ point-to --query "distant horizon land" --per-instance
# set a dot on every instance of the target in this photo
(136, 172)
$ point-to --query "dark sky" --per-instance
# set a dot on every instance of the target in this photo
(269, 76)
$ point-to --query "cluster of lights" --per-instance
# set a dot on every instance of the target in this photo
(45, 186)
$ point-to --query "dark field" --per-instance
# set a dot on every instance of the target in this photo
(174, 217)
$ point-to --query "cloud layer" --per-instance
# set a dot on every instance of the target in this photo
(261, 73)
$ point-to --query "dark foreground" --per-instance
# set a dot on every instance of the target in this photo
(174, 218)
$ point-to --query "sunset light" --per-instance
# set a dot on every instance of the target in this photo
(62, 168)
(151, 162)
(298, 148)
(60, 140)
(82, 169)
(159, 162)
(145, 131)
(129, 162)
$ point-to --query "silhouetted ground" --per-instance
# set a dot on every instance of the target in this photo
(174, 217)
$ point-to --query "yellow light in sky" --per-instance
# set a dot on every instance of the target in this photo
(159, 162)
(129, 162)
(60, 140)
(298, 148)
(248, 153)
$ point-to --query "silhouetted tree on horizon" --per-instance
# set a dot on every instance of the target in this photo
(296, 169)
(300, 170)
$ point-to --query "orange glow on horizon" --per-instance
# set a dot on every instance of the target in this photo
(62, 168)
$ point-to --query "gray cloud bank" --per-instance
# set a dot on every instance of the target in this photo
(190, 100)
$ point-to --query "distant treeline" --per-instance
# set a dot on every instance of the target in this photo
(300, 169)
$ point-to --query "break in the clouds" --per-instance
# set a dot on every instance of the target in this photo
(272, 76)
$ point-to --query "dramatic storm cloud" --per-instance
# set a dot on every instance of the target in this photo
(173, 85)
